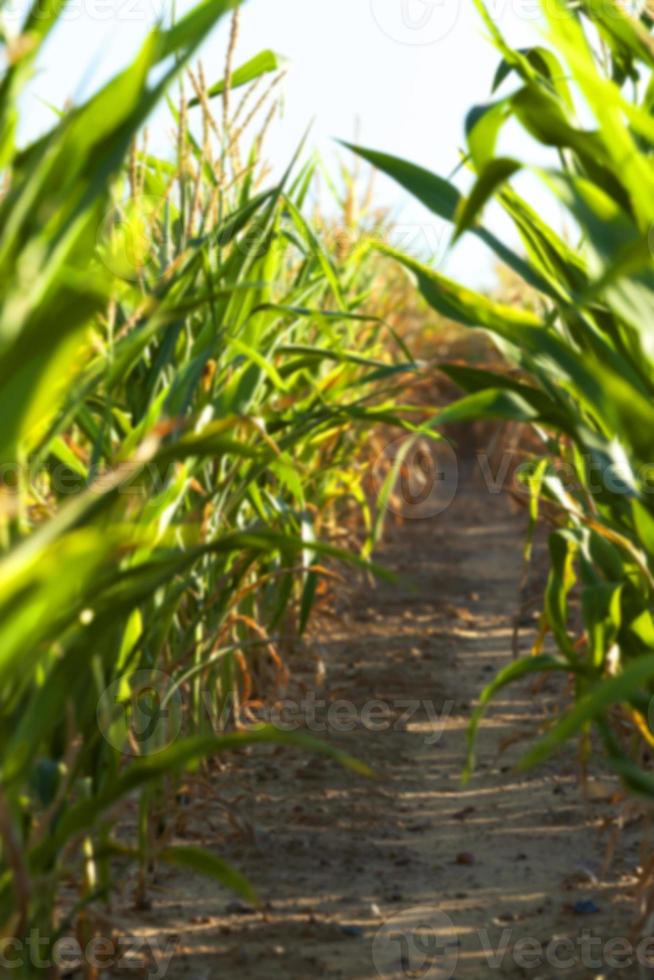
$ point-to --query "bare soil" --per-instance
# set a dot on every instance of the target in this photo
(410, 874)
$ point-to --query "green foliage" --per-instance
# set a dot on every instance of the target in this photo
(187, 375)
(584, 349)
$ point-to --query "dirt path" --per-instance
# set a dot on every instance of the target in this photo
(409, 875)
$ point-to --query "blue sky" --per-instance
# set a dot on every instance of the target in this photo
(407, 70)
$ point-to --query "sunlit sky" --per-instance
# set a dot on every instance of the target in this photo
(406, 70)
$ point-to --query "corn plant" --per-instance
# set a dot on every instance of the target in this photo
(581, 351)
(187, 376)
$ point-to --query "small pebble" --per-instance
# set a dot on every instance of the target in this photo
(585, 907)
(462, 814)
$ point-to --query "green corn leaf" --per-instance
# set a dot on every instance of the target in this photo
(203, 862)
(262, 64)
(543, 663)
